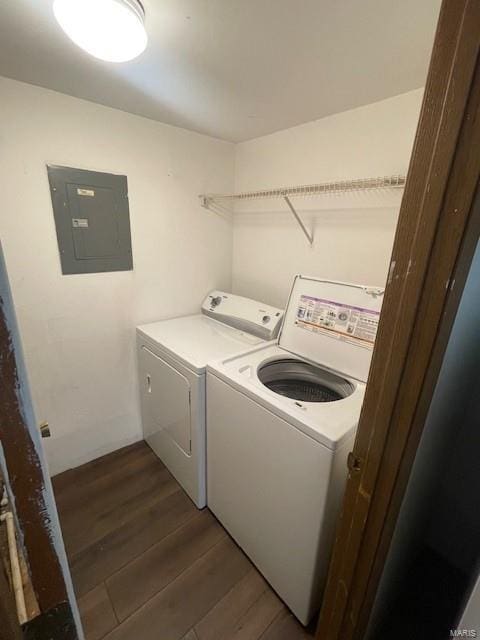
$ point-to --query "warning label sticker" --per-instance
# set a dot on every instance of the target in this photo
(340, 321)
(80, 223)
(86, 192)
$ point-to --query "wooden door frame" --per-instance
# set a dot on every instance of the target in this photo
(437, 233)
(30, 487)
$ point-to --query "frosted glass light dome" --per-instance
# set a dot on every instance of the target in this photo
(112, 30)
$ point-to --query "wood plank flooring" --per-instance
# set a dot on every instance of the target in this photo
(148, 565)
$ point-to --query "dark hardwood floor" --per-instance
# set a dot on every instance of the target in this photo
(147, 565)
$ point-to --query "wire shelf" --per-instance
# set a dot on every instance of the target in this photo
(215, 201)
(338, 186)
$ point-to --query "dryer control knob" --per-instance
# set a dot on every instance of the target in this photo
(266, 319)
(216, 301)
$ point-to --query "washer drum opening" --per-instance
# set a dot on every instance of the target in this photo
(303, 381)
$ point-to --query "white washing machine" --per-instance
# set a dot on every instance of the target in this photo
(281, 420)
(172, 356)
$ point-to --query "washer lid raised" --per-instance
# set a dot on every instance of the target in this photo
(333, 324)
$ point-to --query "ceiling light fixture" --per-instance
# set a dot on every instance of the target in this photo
(111, 30)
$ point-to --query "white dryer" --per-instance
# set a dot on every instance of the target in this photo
(172, 356)
(281, 421)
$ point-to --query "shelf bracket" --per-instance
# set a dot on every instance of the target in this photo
(210, 204)
(307, 233)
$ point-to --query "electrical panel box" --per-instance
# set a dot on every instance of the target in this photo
(92, 220)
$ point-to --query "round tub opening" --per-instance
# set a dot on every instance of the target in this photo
(303, 381)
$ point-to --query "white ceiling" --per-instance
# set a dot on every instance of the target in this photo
(234, 69)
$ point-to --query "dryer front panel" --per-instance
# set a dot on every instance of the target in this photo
(166, 400)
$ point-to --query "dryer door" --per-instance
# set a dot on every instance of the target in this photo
(166, 399)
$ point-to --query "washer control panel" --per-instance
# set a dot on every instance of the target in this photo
(242, 313)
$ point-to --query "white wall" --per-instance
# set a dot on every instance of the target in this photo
(78, 331)
(354, 234)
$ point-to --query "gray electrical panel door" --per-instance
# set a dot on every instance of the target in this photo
(92, 220)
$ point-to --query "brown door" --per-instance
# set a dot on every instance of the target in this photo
(30, 487)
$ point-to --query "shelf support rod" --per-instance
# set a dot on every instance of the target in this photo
(308, 235)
